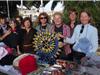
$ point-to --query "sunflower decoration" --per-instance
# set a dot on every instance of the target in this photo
(46, 46)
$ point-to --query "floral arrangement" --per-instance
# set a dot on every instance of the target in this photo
(46, 46)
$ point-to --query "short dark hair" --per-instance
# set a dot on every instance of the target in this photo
(72, 10)
(25, 19)
(19, 17)
(2, 17)
(88, 13)
(13, 20)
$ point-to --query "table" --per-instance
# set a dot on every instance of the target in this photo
(88, 67)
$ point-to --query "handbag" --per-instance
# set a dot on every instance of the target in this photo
(83, 44)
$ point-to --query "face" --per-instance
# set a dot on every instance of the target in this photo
(2, 21)
(12, 24)
(72, 16)
(57, 19)
(84, 18)
(27, 24)
(43, 19)
(18, 19)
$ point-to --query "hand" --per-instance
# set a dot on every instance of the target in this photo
(5, 35)
(8, 32)
(64, 40)
(18, 51)
(60, 44)
(60, 35)
(84, 59)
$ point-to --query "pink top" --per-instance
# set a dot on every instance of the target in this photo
(66, 33)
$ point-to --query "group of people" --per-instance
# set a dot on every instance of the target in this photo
(79, 36)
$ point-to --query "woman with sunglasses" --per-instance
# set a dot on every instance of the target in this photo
(43, 22)
(84, 38)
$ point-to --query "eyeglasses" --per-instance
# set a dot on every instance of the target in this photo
(43, 17)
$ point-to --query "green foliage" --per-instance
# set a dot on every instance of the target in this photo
(92, 7)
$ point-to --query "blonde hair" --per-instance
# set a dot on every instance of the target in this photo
(58, 13)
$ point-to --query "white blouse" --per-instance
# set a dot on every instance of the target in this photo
(90, 32)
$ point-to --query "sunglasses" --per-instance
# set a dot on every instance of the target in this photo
(43, 17)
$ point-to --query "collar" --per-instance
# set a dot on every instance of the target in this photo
(4, 26)
(86, 25)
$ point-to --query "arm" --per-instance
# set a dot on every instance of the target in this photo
(73, 38)
(18, 51)
(5, 35)
(94, 42)
(51, 30)
(66, 32)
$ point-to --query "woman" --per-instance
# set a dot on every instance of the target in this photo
(43, 22)
(4, 29)
(19, 22)
(62, 31)
(72, 20)
(5, 33)
(14, 36)
(28, 35)
(72, 15)
(84, 38)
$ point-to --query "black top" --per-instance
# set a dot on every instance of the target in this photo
(28, 36)
(72, 29)
(13, 39)
(43, 27)
(59, 30)
(27, 39)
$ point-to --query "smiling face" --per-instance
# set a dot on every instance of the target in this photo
(27, 24)
(84, 18)
(43, 19)
(72, 16)
(57, 19)
(18, 19)
(2, 21)
(12, 24)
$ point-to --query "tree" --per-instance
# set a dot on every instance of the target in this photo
(92, 7)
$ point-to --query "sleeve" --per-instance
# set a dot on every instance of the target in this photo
(1, 32)
(66, 31)
(94, 42)
(51, 30)
(37, 28)
(73, 38)
(20, 36)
